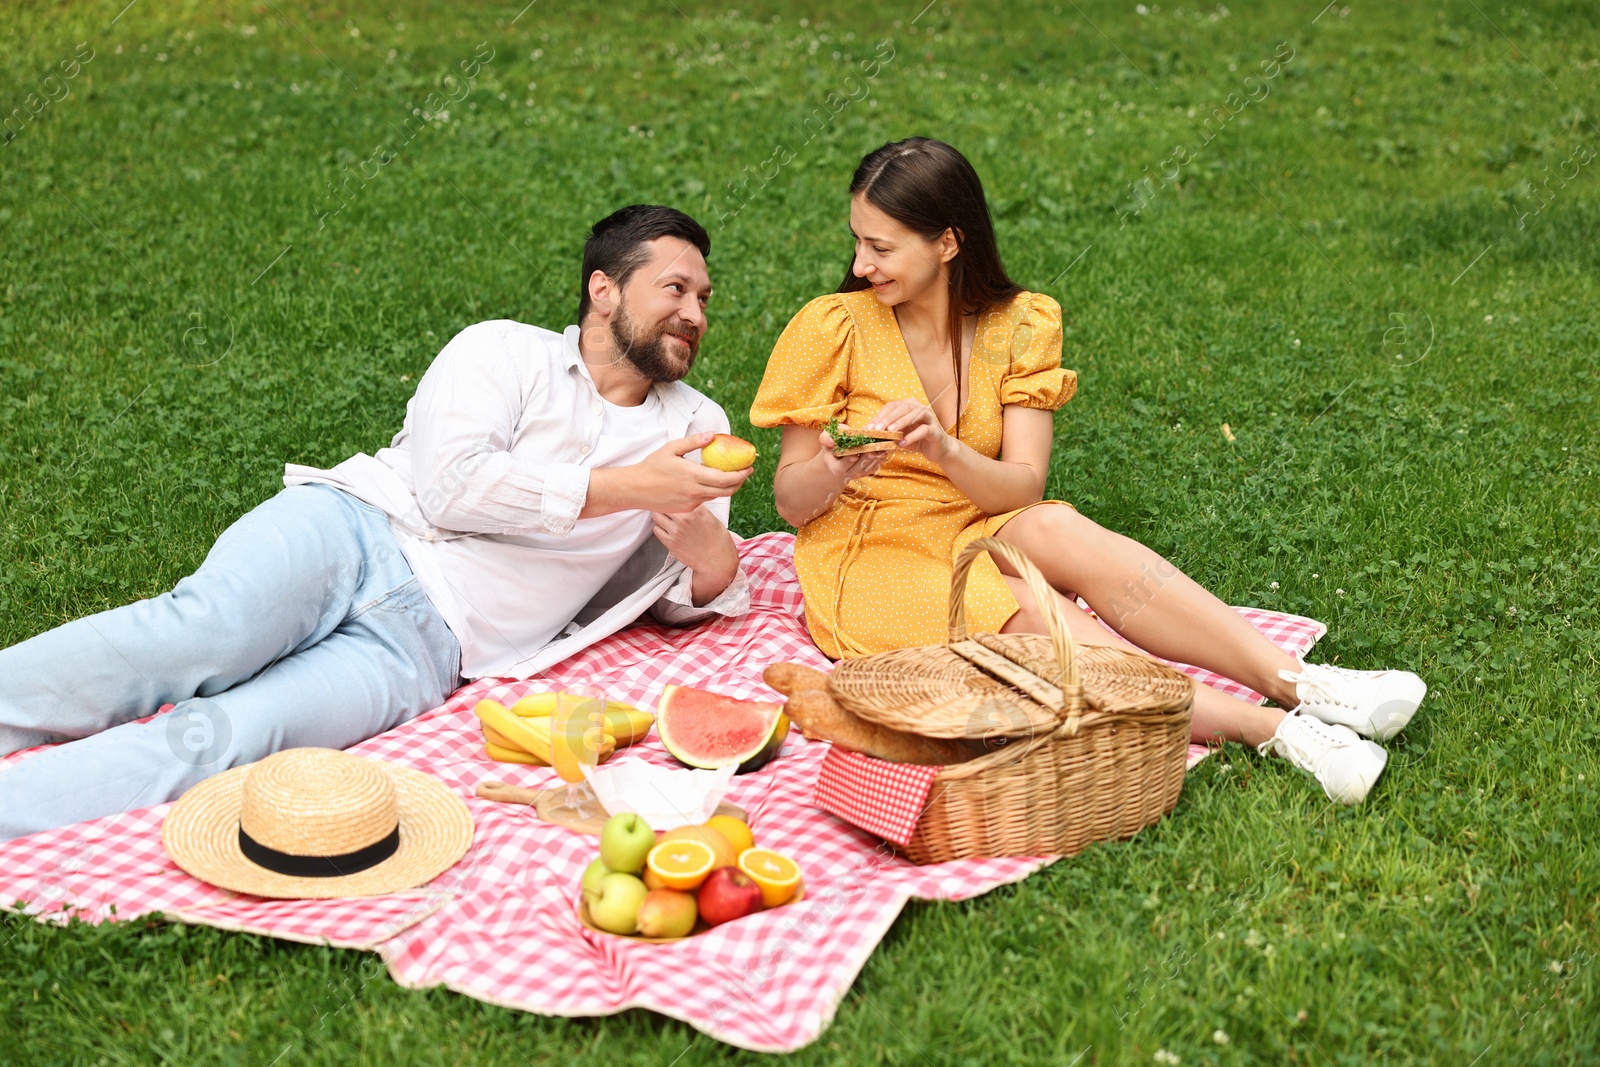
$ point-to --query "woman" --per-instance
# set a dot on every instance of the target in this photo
(929, 336)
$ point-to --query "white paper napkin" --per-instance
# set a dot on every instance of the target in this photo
(665, 798)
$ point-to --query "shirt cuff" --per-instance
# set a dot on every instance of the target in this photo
(566, 487)
(677, 605)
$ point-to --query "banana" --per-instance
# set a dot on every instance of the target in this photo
(624, 722)
(535, 705)
(511, 755)
(504, 732)
(495, 737)
(532, 736)
(627, 724)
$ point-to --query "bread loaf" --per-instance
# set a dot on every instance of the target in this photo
(792, 678)
(821, 718)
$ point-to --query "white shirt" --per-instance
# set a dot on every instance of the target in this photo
(483, 486)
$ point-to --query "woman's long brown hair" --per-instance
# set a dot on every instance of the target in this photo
(929, 187)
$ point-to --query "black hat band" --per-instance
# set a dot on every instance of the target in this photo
(319, 866)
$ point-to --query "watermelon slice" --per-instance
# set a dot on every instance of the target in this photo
(708, 731)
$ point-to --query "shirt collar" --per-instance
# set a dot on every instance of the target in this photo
(675, 395)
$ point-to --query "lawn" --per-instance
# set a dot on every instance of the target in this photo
(1337, 346)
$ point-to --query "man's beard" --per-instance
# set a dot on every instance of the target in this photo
(653, 356)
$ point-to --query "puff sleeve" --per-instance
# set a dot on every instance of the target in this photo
(1035, 377)
(807, 379)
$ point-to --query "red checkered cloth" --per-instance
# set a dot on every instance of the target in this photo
(501, 925)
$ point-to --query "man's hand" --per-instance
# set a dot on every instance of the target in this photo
(663, 482)
(700, 542)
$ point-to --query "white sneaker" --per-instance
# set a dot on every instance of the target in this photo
(1343, 763)
(1372, 703)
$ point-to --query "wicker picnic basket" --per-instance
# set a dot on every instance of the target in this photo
(1085, 743)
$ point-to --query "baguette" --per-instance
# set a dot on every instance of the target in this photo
(820, 717)
(792, 678)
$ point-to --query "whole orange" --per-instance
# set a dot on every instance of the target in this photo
(737, 831)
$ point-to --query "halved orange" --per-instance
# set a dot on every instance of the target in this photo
(776, 874)
(681, 864)
(722, 849)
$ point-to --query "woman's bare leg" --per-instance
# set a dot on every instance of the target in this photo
(1148, 600)
(1218, 717)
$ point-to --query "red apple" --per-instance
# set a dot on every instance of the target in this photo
(728, 894)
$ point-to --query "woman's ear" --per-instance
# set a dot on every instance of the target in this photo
(949, 243)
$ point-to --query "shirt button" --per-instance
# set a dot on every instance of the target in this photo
(585, 450)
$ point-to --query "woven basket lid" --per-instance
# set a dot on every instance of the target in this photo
(322, 807)
(1028, 683)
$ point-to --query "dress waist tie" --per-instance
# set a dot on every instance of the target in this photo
(866, 508)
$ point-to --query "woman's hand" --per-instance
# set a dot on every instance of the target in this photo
(846, 469)
(923, 434)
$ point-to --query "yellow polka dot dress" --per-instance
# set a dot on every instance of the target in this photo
(875, 567)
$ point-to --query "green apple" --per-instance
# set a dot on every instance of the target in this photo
(625, 841)
(616, 909)
(591, 879)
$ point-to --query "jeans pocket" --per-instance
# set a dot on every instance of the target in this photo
(409, 618)
(402, 598)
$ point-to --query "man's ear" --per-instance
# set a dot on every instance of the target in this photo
(602, 292)
(949, 244)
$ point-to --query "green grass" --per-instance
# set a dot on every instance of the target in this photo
(1340, 277)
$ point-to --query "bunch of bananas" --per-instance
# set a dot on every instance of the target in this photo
(522, 734)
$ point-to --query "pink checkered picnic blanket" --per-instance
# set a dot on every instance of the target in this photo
(501, 925)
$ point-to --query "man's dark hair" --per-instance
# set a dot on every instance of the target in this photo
(616, 245)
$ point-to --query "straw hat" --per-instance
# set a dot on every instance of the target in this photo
(316, 822)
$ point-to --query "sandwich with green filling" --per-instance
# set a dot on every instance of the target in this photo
(850, 442)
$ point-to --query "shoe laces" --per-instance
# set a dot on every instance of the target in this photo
(1323, 684)
(1284, 745)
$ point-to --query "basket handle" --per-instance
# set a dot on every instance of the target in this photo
(1043, 595)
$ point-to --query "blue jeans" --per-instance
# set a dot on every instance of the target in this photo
(303, 627)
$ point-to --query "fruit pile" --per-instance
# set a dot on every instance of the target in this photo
(660, 886)
(529, 732)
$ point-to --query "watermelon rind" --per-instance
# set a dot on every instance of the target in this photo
(680, 750)
(769, 751)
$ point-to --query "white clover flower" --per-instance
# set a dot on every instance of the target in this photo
(1272, 585)
(1219, 1036)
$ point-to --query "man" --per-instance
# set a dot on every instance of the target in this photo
(542, 494)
